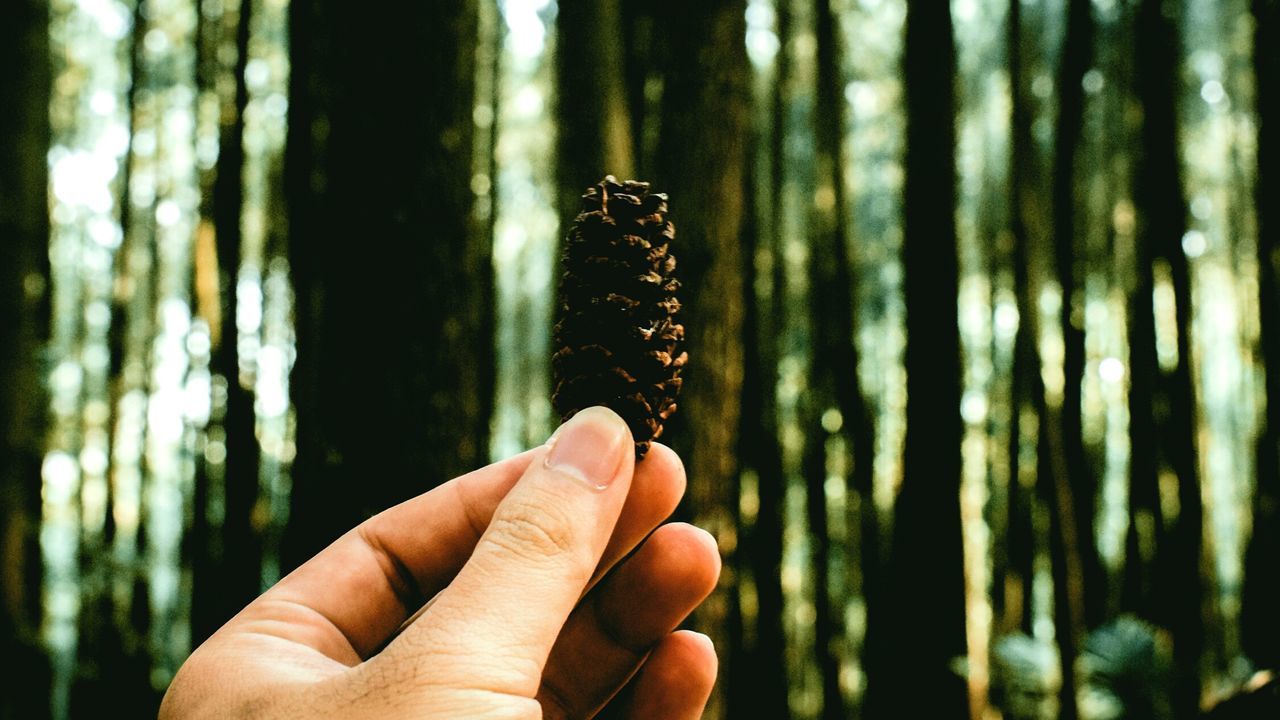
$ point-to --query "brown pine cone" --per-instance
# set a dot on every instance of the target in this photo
(617, 339)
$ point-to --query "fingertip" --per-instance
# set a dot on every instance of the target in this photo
(705, 540)
(660, 479)
(593, 446)
(699, 651)
(677, 679)
(700, 561)
(687, 664)
(665, 460)
(675, 570)
(701, 639)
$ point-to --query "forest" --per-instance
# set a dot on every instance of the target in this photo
(982, 403)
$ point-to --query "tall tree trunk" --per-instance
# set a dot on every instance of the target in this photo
(833, 376)
(1066, 475)
(24, 283)
(701, 164)
(1138, 590)
(924, 618)
(1161, 225)
(1088, 579)
(1261, 631)
(593, 120)
(759, 683)
(231, 580)
(831, 318)
(644, 52)
(381, 231)
(1030, 226)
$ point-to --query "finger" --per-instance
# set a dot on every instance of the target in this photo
(349, 599)
(607, 637)
(530, 566)
(674, 683)
(657, 484)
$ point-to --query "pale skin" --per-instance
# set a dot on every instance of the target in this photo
(552, 596)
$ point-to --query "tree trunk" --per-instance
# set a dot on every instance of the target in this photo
(1077, 57)
(1029, 226)
(644, 51)
(1066, 476)
(593, 120)
(1261, 631)
(1137, 593)
(759, 683)
(701, 164)
(1161, 225)
(833, 375)
(226, 583)
(24, 307)
(378, 162)
(924, 611)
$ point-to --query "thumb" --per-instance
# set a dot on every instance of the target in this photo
(498, 619)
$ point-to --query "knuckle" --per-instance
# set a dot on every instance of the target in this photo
(536, 532)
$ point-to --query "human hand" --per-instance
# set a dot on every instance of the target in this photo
(528, 622)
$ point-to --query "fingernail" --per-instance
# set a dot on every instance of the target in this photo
(588, 447)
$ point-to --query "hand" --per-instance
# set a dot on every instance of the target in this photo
(530, 618)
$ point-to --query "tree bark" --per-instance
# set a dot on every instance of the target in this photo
(394, 375)
(644, 51)
(1066, 476)
(759, 684)
(226, 583)
(1161, 212)
(24, 308)
(701, 164)
(924, 618)
(833, 376)
(1030, 227)
(1261, 631)
(1077, 57)
(1137, 593)
(593, 121)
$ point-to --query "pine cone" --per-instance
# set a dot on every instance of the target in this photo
(616, 333)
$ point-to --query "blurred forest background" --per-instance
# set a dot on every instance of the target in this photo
(980, 298)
